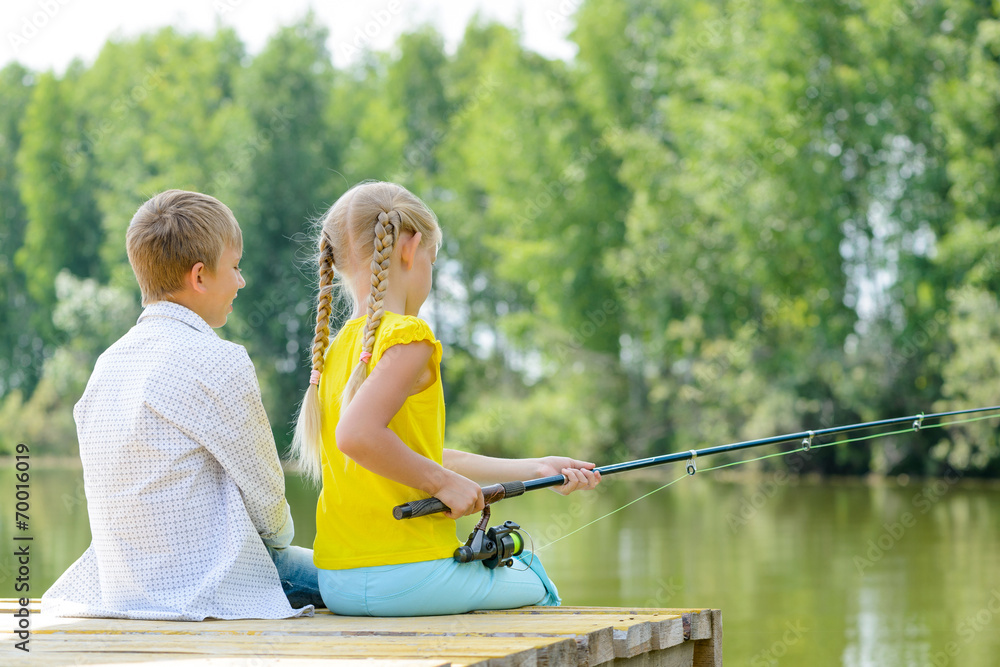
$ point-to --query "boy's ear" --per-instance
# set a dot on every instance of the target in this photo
(408, 250)
(192, 279)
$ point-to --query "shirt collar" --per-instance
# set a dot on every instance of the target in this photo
(175, 311)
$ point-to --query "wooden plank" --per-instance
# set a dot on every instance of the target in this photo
(643, 611)
(676, 656)
(698, 625)
(650, 633)
(492, 651)
(594, 636)
(590, 612)
(671, 633)
(587, 636)
(633, 639)
(596, 647)
(329, 624)
(10, 604)
(144, 659)
(708, 652)
(670, 627)
(665, 630)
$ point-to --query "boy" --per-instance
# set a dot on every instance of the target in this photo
(184, 488)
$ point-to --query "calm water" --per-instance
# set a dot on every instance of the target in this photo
(805, 574)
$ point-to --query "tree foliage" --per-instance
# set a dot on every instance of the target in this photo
(719, 220)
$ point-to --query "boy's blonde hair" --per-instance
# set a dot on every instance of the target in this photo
(358, 234)
(172, 232)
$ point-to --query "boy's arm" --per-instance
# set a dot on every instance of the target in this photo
(490, 470)
(240, 438)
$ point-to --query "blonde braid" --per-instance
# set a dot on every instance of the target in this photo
(386, 229)
(307, 443)
(324, 308)
(385, 239)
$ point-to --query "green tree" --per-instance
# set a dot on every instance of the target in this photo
(283, 176)
(731, 260)
(20, 348)
(89, 317)
(530, 212)
(141, 144)
(63, 229)
(966, 101)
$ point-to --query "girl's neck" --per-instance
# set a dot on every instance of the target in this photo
(409, 278)
(392, 302)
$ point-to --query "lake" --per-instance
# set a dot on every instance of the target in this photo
(893, 573)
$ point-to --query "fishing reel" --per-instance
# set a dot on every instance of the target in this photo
(494, 547)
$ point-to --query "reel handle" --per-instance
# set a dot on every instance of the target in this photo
(491, 494)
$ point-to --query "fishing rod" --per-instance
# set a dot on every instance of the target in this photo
(498, 545)
(497, 492)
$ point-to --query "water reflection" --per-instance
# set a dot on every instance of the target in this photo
(840, 573)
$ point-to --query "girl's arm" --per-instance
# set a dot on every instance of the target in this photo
(490, 470)
(363, 432)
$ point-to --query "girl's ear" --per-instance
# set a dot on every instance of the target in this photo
(408, 250)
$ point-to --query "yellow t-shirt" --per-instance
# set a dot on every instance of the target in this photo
(354, 523)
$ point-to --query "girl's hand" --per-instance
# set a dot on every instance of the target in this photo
(460, 494)
(580, 475)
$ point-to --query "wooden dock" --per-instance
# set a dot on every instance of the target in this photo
(526, 637)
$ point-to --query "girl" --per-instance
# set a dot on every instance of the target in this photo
(371, 427)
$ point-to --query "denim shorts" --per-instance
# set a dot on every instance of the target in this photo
(436, 587)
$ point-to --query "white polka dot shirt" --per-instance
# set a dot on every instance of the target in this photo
(183, 482)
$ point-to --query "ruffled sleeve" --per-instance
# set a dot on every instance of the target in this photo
(403, 329)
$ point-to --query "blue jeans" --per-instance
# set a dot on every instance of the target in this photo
(298, 576)
(436, 587)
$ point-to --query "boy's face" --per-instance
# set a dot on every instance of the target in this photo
(221, 288)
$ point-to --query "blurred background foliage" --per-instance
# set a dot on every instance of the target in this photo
(721, 220)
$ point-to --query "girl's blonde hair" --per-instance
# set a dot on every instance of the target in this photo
(364, 223)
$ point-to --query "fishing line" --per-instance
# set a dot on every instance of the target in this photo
(631, 502)
(917, 426)
(531, 550)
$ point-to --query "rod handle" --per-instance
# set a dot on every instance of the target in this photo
(415, 508)
(491, 494)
